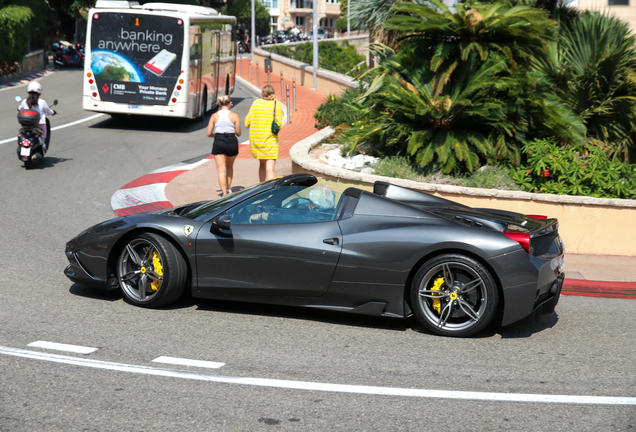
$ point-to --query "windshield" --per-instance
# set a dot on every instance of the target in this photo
(210, 206)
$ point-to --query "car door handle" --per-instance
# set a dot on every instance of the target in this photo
(331, 241)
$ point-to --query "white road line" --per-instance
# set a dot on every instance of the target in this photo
(63, 347)
(77, 122)
(178, 167)
(15, 139)
(325, 387)
(188, 362)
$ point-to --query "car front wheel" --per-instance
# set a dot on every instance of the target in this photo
(151, 271)
(454, 295)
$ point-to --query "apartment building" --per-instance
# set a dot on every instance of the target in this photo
(285, 14)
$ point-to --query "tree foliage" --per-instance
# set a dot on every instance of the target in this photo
(14, 22)
(242, 10)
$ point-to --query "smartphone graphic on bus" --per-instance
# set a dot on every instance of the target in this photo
(159, 63)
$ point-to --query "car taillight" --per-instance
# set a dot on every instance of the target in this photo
(522, 238)
(537, 216)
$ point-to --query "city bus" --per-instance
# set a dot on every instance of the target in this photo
(157, 59)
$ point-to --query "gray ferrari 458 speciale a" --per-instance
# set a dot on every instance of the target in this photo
(295, 241)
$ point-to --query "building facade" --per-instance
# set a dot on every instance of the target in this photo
(285, 14)
(622, 9)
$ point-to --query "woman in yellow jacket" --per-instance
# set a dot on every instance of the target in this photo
(263, 142)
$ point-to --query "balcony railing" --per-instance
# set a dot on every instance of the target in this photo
(300, 4)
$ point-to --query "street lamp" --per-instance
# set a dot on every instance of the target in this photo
(348, 18)
(315, 26)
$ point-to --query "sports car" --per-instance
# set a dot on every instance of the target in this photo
(295, 241)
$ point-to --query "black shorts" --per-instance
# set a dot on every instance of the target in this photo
(225, 144)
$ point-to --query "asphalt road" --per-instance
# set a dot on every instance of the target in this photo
(586, 348)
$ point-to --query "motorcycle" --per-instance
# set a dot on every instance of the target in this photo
(67, 55)
(31, 148)
(243, 47)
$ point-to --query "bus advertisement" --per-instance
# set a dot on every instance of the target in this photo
(157, 59)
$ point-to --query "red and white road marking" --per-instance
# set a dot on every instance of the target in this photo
(28, 79)
(147, 193)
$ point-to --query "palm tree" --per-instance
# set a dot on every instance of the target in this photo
(454, 128)
(517, 32)
(372, 14)
(593, 68)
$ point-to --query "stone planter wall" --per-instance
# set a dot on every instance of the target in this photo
(587, 225)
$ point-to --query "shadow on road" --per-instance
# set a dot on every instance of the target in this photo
(94, 293)
(528, 326)
(305, 314)
(156, 124)
(521, 329)
(222, 306)
(48, 162)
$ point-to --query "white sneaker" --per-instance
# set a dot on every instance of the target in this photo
(229, 191)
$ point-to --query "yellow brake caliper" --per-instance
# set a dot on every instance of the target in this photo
(156, 264)
(437, 303)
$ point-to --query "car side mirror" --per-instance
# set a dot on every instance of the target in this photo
(223, 222)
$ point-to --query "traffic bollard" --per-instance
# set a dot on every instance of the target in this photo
(288, 113)
(249, 71)
(241, 63)
(294, 91)
(282, 89)
(268, 77)
(258, 76)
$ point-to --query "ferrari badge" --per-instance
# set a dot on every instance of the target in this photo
(188, 230)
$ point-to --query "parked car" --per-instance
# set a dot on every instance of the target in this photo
(294, 241)
(321, 34)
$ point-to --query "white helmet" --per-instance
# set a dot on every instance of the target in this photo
(34, 87)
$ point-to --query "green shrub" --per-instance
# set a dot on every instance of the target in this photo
(491, 177)
(397, 167)
(338, 58)
(336, 110)
(563, 171)
(487, 177)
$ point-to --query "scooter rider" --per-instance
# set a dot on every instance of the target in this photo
(34, 102)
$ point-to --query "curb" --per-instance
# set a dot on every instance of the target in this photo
(602, 289)
(28, 79)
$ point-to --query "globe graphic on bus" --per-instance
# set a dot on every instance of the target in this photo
(111, 66)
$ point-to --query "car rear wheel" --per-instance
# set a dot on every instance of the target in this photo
(151, 271)
(454, 295)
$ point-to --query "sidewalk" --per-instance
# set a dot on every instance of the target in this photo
(586, 275)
